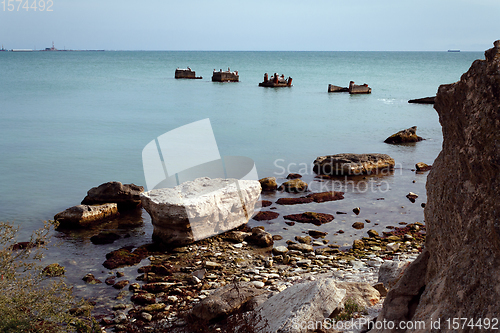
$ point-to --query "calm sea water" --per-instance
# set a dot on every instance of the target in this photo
(70, 121)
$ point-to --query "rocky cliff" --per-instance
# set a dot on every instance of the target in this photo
(458, 274)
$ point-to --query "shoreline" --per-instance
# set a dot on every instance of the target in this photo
(237, 261)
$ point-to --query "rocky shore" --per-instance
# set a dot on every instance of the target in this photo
(183, 278)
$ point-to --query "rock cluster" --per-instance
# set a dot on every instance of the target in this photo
(101, 203)
(458, 274)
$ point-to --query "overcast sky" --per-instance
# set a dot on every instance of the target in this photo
(322, 25)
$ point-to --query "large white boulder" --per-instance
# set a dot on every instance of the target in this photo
(200, 208)
(299, 305)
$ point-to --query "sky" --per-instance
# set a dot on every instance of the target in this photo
(252, 25)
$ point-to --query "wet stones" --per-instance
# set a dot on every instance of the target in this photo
(53, 270)
(144, 298)
(412, 196)
(268, 184)
(313, 197)
(260, 238)
(294, 201)
(317, 233)
(352, 164)
(326, 196)
(265, 216)
(280, 250)
(294, 186)
(358, 225)
(84, 215)
(310, 217)
(104, 237)
(421, 166)
(124, 257)
(304, 239)
(301, 247)
(91, 279)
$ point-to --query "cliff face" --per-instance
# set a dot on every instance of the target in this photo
(458, 274)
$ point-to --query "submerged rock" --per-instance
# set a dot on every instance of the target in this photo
(310, 217)
(424, 100)
(265, 216)
(294, 186)
(260, 237)
(104, 237)
(404, 136)
(353, 164)
(199, 209)
(313, 197)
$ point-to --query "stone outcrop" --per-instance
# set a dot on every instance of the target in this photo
(125, 195)
(404, 136)
(84, 215)
(424, 100)
(458, 273)
(353, 164)
(200, 208)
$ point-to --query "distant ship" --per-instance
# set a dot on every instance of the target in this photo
(453, 50)
(2, 49)
(51, 48)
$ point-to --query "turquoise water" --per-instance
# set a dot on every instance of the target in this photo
(70, 121)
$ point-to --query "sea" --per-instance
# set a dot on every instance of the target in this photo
(70, 121)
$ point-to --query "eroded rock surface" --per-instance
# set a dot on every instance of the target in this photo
(404, 136)
(199, 209)
(84, 215)
(124, 195)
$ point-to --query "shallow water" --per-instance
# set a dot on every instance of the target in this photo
(70, 121)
